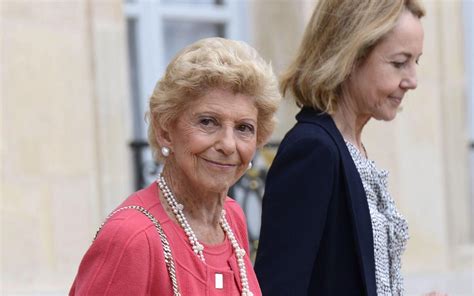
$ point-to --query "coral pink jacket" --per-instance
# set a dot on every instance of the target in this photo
(127, 256)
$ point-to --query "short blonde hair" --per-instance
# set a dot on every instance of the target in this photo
(209, 64)
(340, 34)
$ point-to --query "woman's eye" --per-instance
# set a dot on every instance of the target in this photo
(246, 128)
(398, 65)
(208, 121)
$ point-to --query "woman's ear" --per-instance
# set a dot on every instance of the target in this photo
(162, 135)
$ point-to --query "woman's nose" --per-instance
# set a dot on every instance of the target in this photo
(410, 80)
(226, 141)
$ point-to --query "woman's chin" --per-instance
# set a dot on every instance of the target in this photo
(216, 184)
(389, 115)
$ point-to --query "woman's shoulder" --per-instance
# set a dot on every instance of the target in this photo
(307, 139)
(120, 254)
(147, 197)
(120, 258)
(130, 220)
(309, 132)
(123, 228)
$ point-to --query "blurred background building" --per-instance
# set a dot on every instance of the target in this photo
(74, 81)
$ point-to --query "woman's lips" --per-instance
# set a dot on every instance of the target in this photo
(397, 100)
(220, 164)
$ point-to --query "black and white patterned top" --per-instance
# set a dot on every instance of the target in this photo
(390, 229)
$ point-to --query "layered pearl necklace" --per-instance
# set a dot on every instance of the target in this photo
(197, 247)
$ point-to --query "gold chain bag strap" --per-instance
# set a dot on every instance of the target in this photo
(164, 241)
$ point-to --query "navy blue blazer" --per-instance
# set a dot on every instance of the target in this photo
(316, 233)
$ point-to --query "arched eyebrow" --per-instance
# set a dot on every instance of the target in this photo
(406, 54)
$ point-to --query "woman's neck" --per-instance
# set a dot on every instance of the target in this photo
(349, 122)
(202, 208)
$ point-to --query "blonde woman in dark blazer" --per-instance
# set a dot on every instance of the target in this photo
(329, 225)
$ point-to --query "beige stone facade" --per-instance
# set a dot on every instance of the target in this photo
(66, 125)
(64, 132)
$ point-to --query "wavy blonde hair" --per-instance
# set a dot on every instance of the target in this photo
(209, 64)
(340, 34)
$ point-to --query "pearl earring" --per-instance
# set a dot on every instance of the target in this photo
(250, 166)
(165, 151)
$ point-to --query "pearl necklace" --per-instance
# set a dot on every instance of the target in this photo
(197, 247)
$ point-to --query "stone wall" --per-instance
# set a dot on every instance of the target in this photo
(65, 123)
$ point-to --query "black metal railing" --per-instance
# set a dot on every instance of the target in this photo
(248, 191)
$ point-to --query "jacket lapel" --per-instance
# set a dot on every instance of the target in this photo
(359, 208)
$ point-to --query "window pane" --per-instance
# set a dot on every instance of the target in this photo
(178, 34)
(134, 76)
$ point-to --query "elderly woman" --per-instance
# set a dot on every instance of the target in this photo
(182, 235)
(329, 225)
